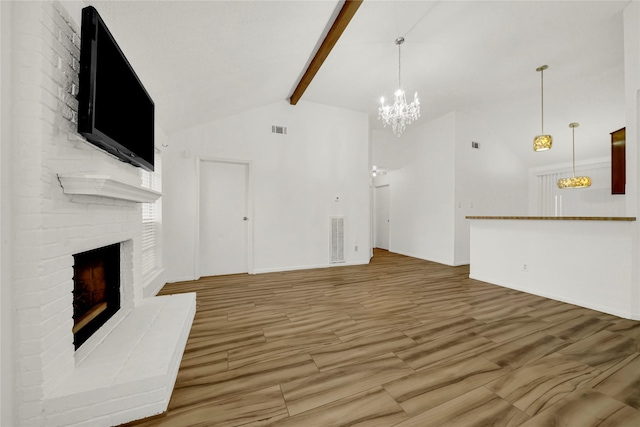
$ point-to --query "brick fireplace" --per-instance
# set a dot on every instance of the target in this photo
(70, 198)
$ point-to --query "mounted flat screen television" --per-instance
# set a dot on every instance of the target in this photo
(115, 112)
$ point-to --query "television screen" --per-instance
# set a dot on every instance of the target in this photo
(115, 112)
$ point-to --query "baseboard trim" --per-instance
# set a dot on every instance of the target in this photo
(423, 258)
(307, 267)
(459, 264)
(550, 295)
(181, 279)
(279, 269)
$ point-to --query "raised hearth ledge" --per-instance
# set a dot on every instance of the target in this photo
(559, 218)
(105, 186)
(130, 375)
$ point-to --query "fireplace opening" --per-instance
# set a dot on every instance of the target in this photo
(96, 290)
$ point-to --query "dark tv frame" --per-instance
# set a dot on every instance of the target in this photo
(125, 149)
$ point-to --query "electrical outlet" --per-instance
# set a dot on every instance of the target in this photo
(525, 267)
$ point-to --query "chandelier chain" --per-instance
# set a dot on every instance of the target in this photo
(399, 66)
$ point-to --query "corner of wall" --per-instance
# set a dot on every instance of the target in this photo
(490, 179)
(631, 22)
(631, 17)
(7, 378)
(154, 284)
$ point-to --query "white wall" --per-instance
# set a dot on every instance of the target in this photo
(631, 21)
(296, 178)
(439, 179)
(6, 336)
(384, 149)
(490, 180)
(422, 192)
(587, 263)
(632, 103)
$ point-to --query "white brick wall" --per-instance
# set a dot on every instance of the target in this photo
(50, 226)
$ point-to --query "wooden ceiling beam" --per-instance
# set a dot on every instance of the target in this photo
(342, 20)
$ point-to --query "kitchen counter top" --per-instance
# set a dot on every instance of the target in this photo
(558, 218)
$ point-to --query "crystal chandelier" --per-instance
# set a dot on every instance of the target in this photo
(542, 142)
(400, 114)
(574, 181)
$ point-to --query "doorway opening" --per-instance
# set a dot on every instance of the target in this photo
(381, 217)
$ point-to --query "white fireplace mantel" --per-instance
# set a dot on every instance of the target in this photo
(106, 186)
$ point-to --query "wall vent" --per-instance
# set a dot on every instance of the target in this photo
(279, 129)
(336, 240)
(475, 145)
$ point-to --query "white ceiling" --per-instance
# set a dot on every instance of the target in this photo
(205, 60)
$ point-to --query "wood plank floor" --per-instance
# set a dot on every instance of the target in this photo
(400, 342)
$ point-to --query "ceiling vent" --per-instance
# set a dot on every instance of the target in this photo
(279, 129)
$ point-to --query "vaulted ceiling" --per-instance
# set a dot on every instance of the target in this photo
(205, 60)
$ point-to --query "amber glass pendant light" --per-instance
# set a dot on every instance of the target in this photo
(542, 142)
(574, 181)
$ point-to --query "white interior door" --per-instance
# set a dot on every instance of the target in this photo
(382, 217)
(223, 218)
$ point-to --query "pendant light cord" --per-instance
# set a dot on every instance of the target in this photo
(573, 144)
(542, 102)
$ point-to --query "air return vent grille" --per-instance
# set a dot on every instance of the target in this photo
(336, 240)
(279, 129)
